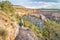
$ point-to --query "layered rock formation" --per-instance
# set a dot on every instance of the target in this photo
(22, 10)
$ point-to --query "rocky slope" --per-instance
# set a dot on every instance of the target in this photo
(22, 10)
(38, 20)
(9, 28)
(26, 34)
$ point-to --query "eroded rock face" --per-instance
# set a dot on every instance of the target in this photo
(35, 20)
(10, 28)
(43, 18)
(26, 34)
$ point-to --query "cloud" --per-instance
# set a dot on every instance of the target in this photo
(41, 5)
(37, 3)
(18, 2)
(45, 0)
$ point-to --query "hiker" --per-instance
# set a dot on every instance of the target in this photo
(21, 23)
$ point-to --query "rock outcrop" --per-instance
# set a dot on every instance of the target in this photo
(35, 20)
(21, 10)
(8, 29)
(26, 34)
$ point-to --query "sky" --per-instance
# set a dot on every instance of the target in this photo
(36, 4)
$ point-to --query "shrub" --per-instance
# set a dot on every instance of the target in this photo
(3, 34)
(51, 31)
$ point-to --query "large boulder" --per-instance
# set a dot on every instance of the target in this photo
(8, 29)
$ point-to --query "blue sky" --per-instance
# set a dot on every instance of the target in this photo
(37, 3)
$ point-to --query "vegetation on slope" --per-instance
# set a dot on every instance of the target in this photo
(33, 28)
(3, 34)
(7, 27)
(50, 31)
(6, 6)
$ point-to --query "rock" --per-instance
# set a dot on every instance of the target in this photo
(43, 18)
(8, 28)
(35, 20)
(26, 34)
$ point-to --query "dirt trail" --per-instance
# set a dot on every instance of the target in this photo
(26, 34)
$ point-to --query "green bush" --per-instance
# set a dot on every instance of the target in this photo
(3, 33)
(6, 6)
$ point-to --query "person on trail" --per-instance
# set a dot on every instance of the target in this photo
(21, 23)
